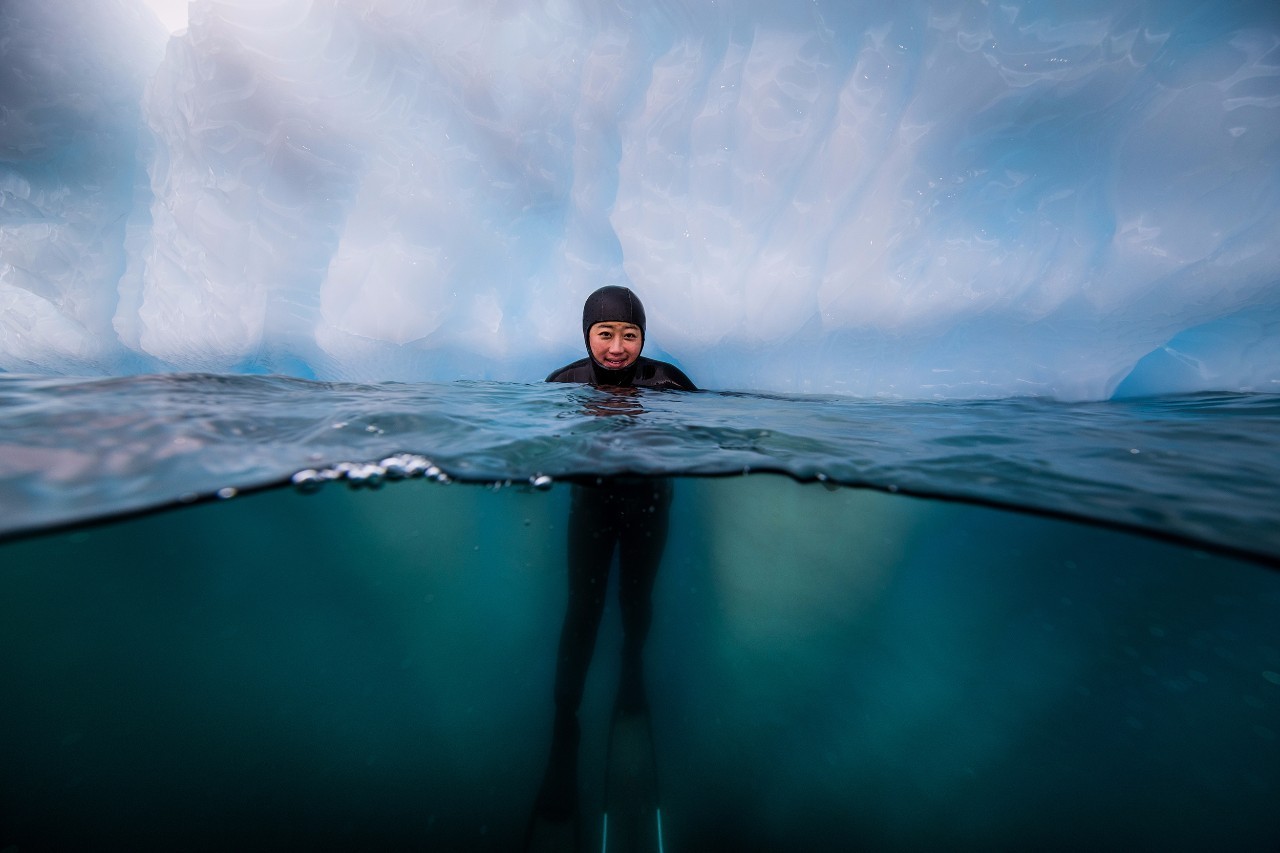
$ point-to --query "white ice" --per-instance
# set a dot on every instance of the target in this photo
(946, 198)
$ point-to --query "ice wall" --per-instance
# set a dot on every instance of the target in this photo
(919, 199)
(72, 167)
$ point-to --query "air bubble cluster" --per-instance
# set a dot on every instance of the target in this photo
(401, 466)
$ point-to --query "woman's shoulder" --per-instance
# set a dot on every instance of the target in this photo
(578, 371)
(660, 374)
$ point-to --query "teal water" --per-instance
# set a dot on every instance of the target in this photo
(829, 667)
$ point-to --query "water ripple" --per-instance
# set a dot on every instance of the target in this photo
(1200, 469)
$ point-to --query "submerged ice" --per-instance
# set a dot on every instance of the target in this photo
(956, 199)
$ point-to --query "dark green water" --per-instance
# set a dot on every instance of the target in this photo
(828, 670)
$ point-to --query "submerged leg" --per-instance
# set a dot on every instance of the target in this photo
(558, 796)
(642, 539)
(592, 536)
(591, 542)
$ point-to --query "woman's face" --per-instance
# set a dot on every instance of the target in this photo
(615, 345)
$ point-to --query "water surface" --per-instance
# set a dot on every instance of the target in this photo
(1199, 469)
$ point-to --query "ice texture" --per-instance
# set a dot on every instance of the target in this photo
(912, 199)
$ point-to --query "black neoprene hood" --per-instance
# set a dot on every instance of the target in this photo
(611, 304)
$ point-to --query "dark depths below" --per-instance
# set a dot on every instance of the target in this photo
(826, 670)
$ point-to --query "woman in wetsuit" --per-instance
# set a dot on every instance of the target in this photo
(613, 349)
(628, 515)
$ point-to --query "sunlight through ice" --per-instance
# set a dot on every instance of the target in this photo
(172, 13)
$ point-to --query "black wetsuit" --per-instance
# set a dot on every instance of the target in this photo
(615, 304)
(629, 514)
(643, 373)
(626, 514)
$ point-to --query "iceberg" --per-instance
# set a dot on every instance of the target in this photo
(942, 198)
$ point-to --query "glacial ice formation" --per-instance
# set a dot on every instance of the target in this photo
(948, 198)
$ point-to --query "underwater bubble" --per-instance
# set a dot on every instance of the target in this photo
(414, 466)
(368, 475)
(541, 481)
(308, 480)
(395, 466)
(227, 492)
